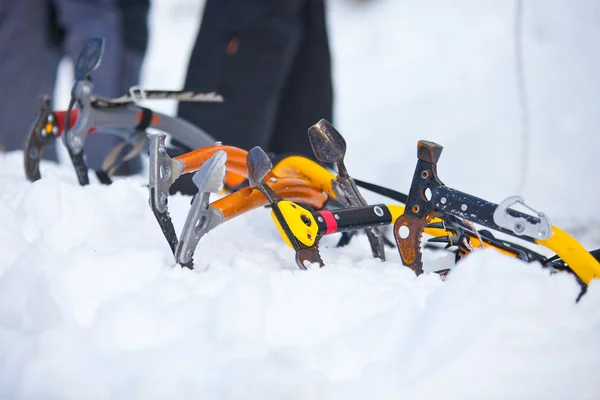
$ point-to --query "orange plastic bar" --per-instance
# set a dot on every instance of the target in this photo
(236, 159)
(248, 199)
(292, 166)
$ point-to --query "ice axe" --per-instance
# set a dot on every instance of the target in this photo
(259, 165)
(89, 59)
(202, 217)
(329, 146)
(163, 172)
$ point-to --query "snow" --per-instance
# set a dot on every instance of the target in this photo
(92, 307)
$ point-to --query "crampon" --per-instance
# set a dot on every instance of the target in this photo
(447, 215)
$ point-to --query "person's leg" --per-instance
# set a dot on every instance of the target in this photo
(28, 64)
(245, 57)
(308, 94)
(123, 25)
(134, 27)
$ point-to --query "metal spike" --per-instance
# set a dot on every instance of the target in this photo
(310, 254)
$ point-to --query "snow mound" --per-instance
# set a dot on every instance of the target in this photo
(92, 307)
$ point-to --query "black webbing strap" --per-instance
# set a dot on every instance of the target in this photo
(389, 193)
(103, 177)
(146, 119)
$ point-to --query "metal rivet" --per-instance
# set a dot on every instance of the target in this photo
(378, 211)
(443, 200)
(336, 216)
(463, 207)
(519, 228)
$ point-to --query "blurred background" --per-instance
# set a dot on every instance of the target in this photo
(447, 71)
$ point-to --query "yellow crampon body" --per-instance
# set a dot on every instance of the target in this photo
(581, 262)
(295, 216)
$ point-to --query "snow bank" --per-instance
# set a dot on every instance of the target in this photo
(91, 307)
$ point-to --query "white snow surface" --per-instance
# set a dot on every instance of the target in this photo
(92, 307)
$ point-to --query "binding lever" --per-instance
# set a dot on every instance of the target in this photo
(329, 146)
(163, 172)
(519, 225)
(202, 217)
(259, 165)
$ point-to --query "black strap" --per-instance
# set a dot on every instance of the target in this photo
(390, 193)
(103, 177)
(146, 119)
(348, 235)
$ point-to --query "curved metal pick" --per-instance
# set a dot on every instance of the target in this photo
(327, 143)
(210, 176)
(89, 58)
(259, 164)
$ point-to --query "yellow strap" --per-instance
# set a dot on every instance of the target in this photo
(577, 258)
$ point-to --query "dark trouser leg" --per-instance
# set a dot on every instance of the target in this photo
(246, 61)
(28, 64)
(308, 94)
